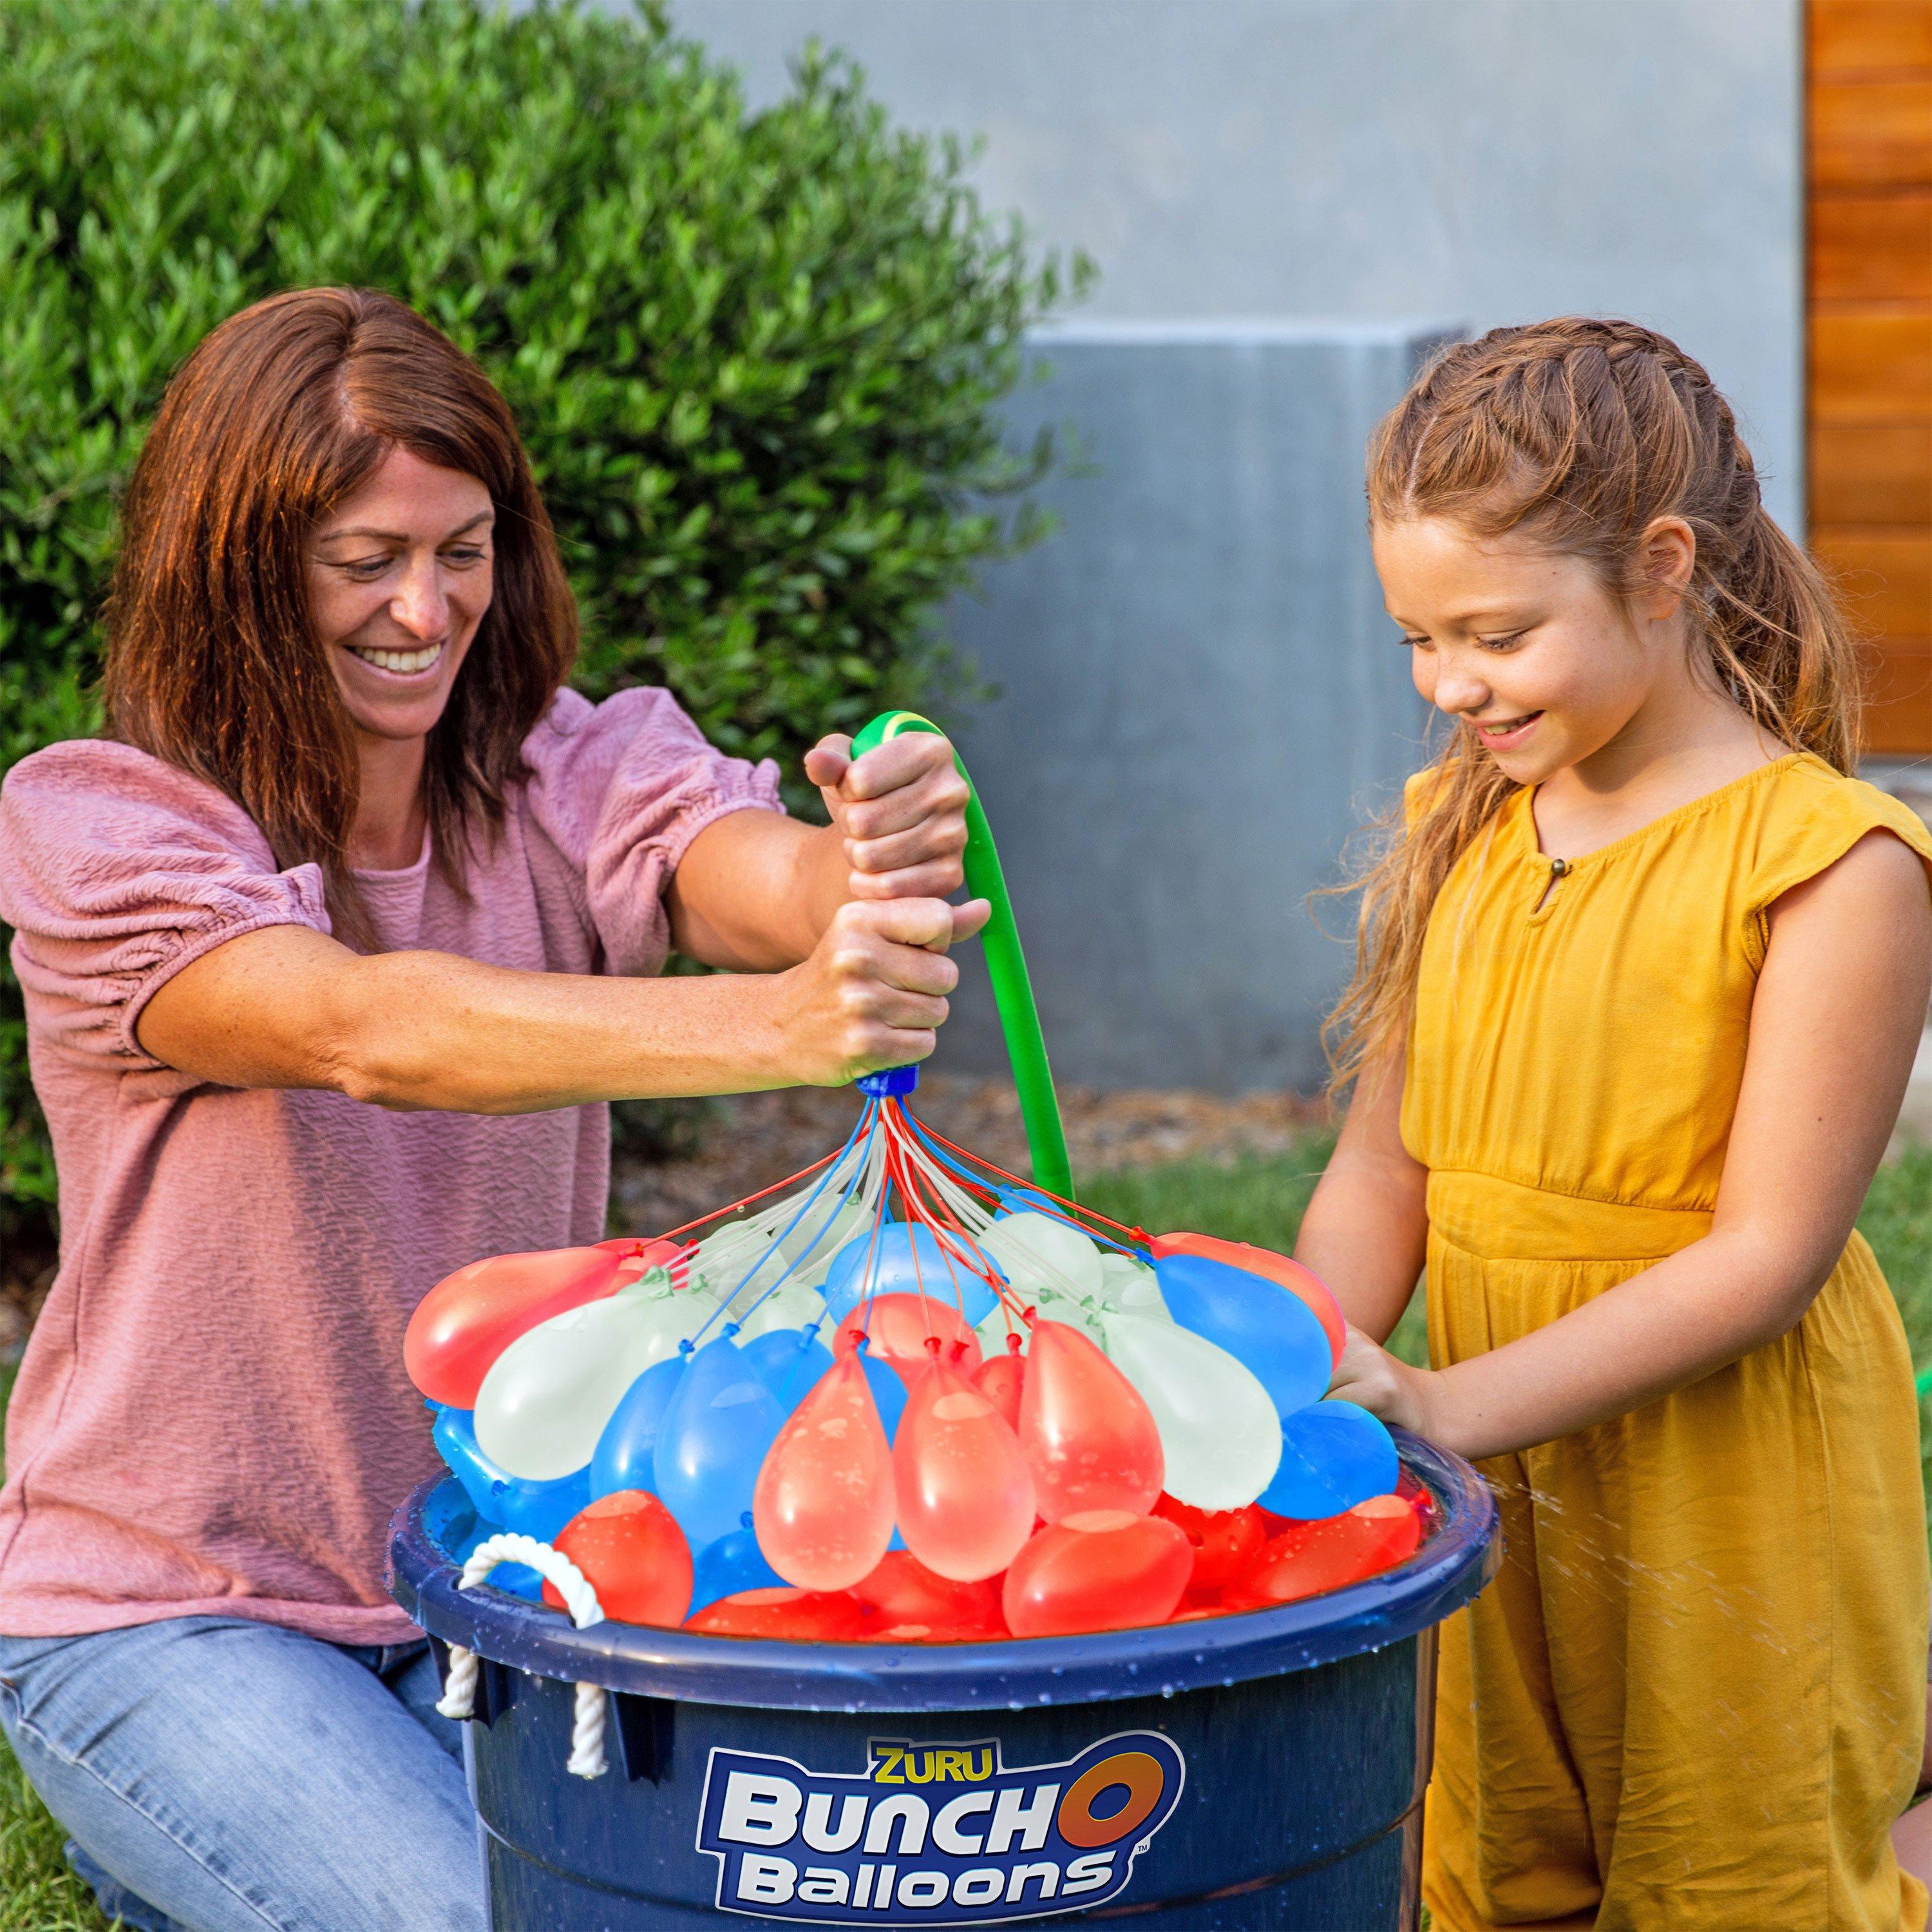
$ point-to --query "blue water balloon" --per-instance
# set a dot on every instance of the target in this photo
(1333, 1456)
(789, 1361)
(898, 1258)
(515, 1579)
(732, 1563)
(1272, 1331)
(625, 1453)
(712, 1439)
(500, 1499)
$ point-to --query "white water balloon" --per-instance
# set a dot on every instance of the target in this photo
(1219, 1433)
(546, 1397)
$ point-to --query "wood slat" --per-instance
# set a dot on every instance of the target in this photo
(1850, 35)
(1870, 473)
(1871, 134)
(1884, 576)
(1872, 247)
(1871, 368)
(1898, 694)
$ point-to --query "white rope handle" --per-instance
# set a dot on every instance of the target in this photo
(459, 1695)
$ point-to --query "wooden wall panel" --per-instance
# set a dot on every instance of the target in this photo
(1869, 119)
(1873, 472)
(1859, 35)
(1871, 134)
(1884, 576)
(1872, 248)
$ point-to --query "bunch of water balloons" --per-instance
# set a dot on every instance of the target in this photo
(907, 1396)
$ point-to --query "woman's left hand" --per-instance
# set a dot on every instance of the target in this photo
(901, 811)
(1368, 1375)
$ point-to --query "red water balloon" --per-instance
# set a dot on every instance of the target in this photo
(1001, 1379)
(1308, 1558)
(637, 1256)
(965, 1498)
(899, 1326)
(629, 1547)
(1098, 1569)
(902, 1591)
(800, 1616)
(823, 1508)
(1302, 1282)
(1227, 1543)
(1089, 1439)
(469, 1318)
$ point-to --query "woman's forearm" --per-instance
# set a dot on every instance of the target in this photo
(430, 1029)
(288, 1006)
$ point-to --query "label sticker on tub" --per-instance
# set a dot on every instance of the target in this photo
(935, 1834)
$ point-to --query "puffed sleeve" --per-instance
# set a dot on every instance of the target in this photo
(621, 789)
(116, 871)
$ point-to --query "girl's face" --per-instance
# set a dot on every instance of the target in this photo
(1527, 645)
(399, 577)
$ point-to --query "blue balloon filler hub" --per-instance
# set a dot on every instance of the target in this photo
(1264, 1769)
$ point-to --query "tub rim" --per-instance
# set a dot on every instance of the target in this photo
(1014, 1674)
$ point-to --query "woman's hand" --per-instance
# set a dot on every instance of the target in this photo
(757, 892)
(1368, 1375)
(900, 811)
(872, 994)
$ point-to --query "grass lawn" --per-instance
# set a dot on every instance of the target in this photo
(1259, 1200)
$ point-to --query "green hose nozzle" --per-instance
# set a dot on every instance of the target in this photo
(1006, 966)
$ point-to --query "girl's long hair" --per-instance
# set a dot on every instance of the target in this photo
(212, 663)
(1579, 434)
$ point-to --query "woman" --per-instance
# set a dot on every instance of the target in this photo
(334, 948)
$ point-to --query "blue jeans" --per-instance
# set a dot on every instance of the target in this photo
(218, 1774)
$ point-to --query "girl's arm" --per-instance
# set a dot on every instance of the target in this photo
(1840, 1008)
(1366, 1227)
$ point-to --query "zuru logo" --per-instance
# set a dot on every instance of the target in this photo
(935, 1834)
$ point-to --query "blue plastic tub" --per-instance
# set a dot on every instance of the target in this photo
(1260, 1770)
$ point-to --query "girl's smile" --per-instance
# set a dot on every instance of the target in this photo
(1505, 734)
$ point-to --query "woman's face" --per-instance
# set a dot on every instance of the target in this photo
(399, 577)
(1525, 643)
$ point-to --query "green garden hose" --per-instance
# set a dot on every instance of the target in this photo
(1006, 966)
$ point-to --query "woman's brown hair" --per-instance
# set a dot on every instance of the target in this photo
(212, 663)
(1579, 434)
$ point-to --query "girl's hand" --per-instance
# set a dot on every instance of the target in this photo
(1372, 1378)
(872, 994)
(901, 811)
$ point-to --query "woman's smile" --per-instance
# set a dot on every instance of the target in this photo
(400, 666)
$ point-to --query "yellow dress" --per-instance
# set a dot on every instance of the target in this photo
(1694, 1697)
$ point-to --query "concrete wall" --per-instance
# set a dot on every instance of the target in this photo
(1196, 702)
(1493, 160)
(1200, 696)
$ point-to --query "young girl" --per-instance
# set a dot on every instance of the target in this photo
(1639, 984)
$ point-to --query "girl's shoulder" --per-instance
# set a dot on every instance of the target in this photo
(1800, 819)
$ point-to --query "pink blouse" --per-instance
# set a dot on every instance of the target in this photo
(212, 1416)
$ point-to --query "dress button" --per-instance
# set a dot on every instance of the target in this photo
(1559, 867)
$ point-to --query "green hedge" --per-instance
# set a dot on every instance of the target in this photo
(754, 354)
